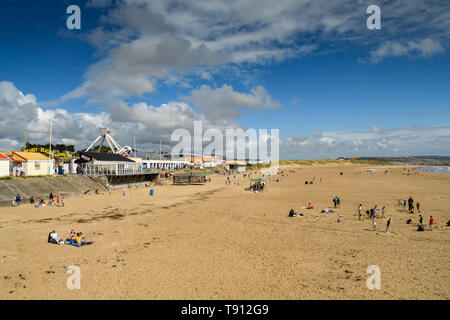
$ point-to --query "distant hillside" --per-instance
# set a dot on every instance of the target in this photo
(415, 160)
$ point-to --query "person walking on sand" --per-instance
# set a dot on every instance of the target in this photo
(383, 210)
(404, 204)
(359, 209)
(410, 204)
(388, 224)
(431, 223)
(418, 206)
(374, 223)
(420, 219)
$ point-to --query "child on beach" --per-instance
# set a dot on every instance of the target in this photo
(374, 223)
(418, 206)
(431, 223)
(388, 224)
(71, 236)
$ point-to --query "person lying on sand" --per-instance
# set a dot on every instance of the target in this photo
(53, 237)
(327, 210)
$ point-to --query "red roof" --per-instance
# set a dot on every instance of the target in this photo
(2, 156)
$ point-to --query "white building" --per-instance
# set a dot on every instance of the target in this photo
(32, 164)
(4, 165)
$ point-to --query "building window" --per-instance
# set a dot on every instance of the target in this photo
(37, 165)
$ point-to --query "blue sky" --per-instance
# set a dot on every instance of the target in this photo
(311, 69)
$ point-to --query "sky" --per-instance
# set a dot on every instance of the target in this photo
(310, 68)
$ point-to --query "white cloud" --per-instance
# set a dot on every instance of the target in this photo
(149, 124)
(156, 40)
(424, 48)
(433, 140)
(224, 102)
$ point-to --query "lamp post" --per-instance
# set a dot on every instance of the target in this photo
(50, 150)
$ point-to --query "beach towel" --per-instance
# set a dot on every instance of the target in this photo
(78, 244)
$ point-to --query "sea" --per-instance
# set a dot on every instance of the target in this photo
(435, 169)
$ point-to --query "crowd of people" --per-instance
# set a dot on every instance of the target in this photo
(52, 202)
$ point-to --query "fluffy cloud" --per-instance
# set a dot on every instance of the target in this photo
(224, 102)
(424, 48)
(142, 42)
(22, 112)
(376, 142)
(149, 124)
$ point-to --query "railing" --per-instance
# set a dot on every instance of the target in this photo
(113, 169)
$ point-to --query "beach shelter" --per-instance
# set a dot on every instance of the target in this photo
(32, 163)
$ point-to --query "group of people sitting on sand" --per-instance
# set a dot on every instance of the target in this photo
(292, 213)
(51, 201)
(75, 238)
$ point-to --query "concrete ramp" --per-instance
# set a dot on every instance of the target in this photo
(68, 186)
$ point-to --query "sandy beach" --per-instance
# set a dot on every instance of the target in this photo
(215, 241)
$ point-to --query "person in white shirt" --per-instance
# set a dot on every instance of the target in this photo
(55, 238)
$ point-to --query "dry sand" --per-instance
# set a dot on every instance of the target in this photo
(215, 241)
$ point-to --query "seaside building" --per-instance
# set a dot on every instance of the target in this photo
(31, 164)
(98, 163)
(114, 169)
(239, 166)
(165, 164)
(4, 165)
